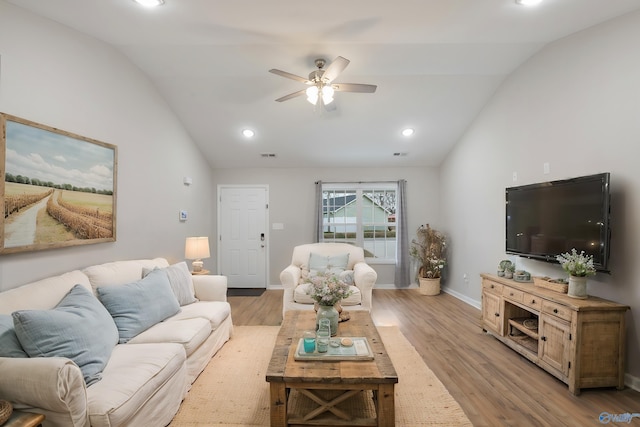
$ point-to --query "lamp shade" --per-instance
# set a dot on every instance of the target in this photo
(196, 248)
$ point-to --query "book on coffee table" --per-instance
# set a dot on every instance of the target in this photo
(359, 350)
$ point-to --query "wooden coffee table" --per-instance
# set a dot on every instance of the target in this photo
(310, 377)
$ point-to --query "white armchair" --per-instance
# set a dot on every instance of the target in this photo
(364, 277)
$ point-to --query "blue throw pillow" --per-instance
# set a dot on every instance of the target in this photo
(78, 328)
(137, 306)
(9, 344)
(335, 264)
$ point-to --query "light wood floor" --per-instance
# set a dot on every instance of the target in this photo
(494, 385)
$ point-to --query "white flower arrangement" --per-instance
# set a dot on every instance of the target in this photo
(577, 264)
(327, 289)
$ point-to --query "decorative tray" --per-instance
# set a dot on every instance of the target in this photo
(547, 283)
(360, 350)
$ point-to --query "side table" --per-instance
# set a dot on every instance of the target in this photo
(24, 419)
(197, 273)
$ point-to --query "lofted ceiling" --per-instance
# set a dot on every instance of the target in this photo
(436, 64)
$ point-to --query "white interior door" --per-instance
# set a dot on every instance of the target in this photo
(242, 231)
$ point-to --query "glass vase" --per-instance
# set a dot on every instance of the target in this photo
(328, 312)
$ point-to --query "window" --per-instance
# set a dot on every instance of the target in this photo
(363, 215)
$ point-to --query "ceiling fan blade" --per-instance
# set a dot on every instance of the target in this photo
(292, 95)
(334, 69)
(290, 76)
(354, 87)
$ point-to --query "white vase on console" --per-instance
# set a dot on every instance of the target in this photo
(577, 287)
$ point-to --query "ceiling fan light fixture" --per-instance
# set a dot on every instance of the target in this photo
(327, 94)
(312, 94)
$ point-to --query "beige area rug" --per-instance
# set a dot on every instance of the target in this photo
(232, 390)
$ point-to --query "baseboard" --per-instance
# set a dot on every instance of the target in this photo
(462, 297)
(632, 382)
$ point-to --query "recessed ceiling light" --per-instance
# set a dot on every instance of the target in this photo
(528, 2)
(150, 3)
(408, 132)
(248, 133)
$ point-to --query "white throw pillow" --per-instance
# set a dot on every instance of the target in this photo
(180, 281)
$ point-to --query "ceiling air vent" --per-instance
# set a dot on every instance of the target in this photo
(268, 155)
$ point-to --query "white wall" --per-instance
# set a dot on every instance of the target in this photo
(55, 76)
(292, 192)
(576, 105)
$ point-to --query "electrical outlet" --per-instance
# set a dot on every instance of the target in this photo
(515, 176)
(546, 168)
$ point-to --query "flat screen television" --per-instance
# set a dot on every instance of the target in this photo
(549, 218)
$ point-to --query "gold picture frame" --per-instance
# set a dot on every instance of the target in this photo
(59, 188)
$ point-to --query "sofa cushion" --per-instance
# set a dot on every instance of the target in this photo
(180, 280)
(120, 272)
(214, 311)
(70, 330)
(43, 294)
(137, 306)
(135, 375)
(301, 296)
(9, 344)
(190, 333)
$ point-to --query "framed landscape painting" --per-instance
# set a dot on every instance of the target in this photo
(59, 188)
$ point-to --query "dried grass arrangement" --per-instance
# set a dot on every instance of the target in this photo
(429, 248)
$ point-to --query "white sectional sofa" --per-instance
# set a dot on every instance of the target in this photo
(134, 347)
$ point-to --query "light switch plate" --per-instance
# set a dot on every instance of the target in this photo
(183, 215)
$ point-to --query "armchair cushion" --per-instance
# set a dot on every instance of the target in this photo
(301, 296)
(335, 264)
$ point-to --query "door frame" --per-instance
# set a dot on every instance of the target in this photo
(264, 187)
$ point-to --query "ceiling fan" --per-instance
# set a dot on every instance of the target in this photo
(321, 87)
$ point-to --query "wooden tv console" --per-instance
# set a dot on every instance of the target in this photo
(579, 341)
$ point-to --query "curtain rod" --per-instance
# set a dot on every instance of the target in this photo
(360, 182)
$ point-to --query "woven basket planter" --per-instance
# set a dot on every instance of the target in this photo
(429, 286)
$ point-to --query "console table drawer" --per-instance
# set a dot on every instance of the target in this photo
(556, 310)
(532, 301)
(512, 294)
(493, 287)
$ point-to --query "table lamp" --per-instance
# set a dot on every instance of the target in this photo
(196, 248)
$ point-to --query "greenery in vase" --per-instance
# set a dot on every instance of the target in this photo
(429, 248)
(577, 264)
(327, 289)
